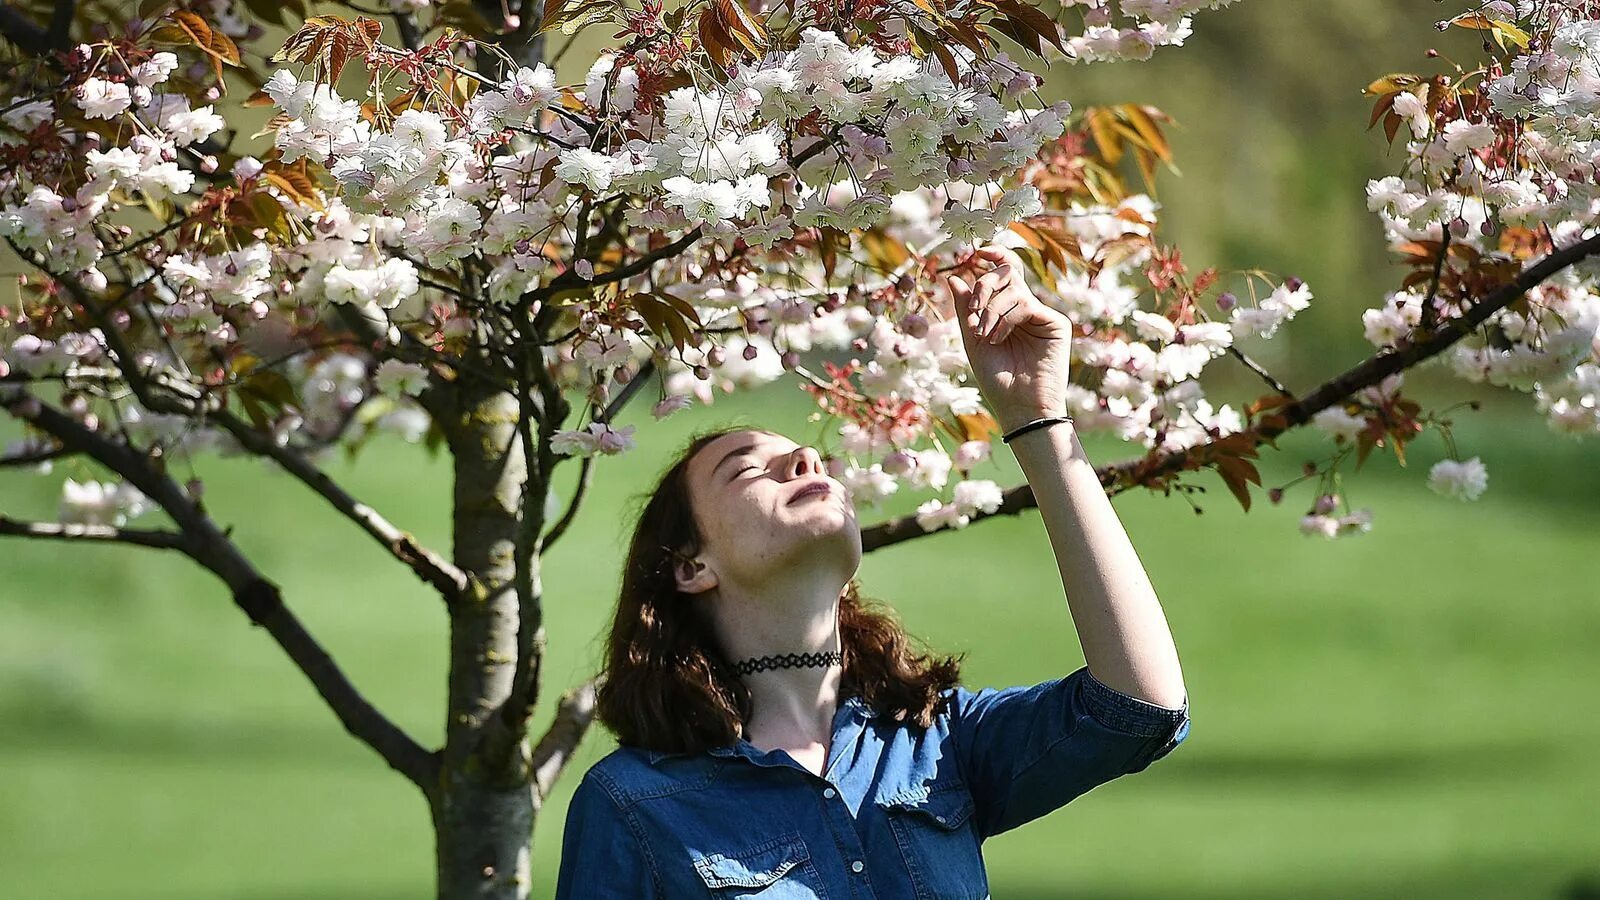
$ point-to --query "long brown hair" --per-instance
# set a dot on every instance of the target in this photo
(667, 685)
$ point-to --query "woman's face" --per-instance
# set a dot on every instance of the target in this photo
(765, 505)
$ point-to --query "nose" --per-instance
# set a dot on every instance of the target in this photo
(805, 461)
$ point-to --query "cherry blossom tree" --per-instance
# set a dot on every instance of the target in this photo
(435, 236)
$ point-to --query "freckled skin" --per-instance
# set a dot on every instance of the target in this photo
(752, 534)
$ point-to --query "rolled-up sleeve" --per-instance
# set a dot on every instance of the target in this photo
(603, 855)
(1030, 749)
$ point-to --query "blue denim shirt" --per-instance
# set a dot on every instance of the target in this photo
(899, 812)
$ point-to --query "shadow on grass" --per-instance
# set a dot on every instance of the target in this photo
(31, 728)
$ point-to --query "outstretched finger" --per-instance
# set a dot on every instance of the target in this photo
(998, 253)
(962, 293)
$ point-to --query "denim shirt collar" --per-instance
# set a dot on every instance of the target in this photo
(852, 707)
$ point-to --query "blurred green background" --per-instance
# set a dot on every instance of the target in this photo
(1405, 713)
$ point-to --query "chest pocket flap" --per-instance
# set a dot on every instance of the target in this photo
(943, 807)
(756, 867)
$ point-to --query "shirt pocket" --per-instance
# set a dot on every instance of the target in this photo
(777, 869)
(939, 841)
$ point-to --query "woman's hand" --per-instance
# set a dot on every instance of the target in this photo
(1018, 347)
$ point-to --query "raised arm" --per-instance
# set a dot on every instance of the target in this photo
(1019, 350)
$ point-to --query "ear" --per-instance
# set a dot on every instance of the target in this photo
(692, 575)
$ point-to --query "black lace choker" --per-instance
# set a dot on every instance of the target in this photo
(788, 660)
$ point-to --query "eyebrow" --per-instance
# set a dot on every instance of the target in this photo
(731, 454)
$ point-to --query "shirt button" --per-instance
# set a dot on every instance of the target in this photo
(938, 818)
(857, 866)
(830, 793)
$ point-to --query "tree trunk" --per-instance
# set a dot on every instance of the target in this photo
(483, 807)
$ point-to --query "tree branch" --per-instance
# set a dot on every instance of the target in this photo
(259, 598)
(410, 32)
(1118, 477)
(70, 531)
(16, 28)
(574, 714)
(184, 400)
(585, 475)
(61, 24)
(1255, 367)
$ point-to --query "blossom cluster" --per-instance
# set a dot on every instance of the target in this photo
(438, 216)
(1521, 168)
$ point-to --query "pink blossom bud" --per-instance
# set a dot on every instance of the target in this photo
(1275, 495)
(1227, 301)
(68, 204)
(876, 305)
(5, 369)
(750, 351)
(513, 21)
(970, 453)
(915, 325)
(717, 356)
(195, 488)
(208, 164)
(622, 374)
(1309, 469)
(1294, 284)
(790, 359)
(1325, 504)
(859, 345)
(1459, 227)
(212, 93)
(584, 269)
(899, 462)
(702, 373)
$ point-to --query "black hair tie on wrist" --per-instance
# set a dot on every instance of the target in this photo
(1036, 423)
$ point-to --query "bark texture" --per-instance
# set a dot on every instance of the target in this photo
(483, 805)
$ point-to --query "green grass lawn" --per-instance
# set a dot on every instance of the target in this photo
(1406, 713)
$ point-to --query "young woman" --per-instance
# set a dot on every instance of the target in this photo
(778, 739)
